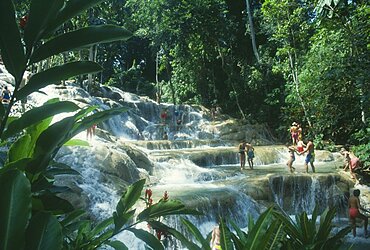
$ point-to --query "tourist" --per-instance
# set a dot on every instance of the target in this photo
(5, 95)
(299, 131)
(310, 157)
(164, 116)
(347, 158)
(250, 154)
(294, 133)
(354, 165)
(292, 152)
(242, 154)
(90, 132)
(215, 241)
(300, 146)
(165, 136)
(354, 212)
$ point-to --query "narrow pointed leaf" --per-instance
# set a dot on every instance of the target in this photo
(80, 38)
(44, 232)
(15, 209)
(242, 235)
(158, 225)
(72, 216)
(77, 142)
(55, 75)
(259, 229)
(147, 237)
(225, 235)
(117, 245)
(10, 41)
(103, 225)
(36, 115)
(196, 233)
(121, 219)
(39, 18)
(163, 208)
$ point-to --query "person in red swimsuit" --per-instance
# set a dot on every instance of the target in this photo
(354, 212)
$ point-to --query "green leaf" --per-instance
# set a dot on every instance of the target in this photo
(242, 235)
(55, 75)
(163, 208)
(147, 237)
(80, 38)
(121, 219)
(225, 237)
(259, 229)
(72, 8)
(162, 227)
(118, 245)
(2, 109)
(39, 18)
(77, 142)
(103, 225)
(72, 216)
(20, 165)
(20, 149)
(10, 41)
(55, 205)
(130, 197)
(15, 209)
(44, 232)
(60, 169)
(36, 115)
(196, 233)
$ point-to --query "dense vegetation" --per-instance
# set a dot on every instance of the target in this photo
(300, 60)
(264, 61)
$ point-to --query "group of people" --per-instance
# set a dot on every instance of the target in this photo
(246, 148)
(310, 157)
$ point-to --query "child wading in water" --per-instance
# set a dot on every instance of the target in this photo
(292, 152)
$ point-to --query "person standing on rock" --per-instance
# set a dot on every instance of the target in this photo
(242, 146)
(250, 154)
(310, 158)
(354, 212)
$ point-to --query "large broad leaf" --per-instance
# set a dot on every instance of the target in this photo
(196, 233)
(10, 40)
(121, 219)
(130, 197)
(163, 208)
(147, 237)
(20, 149)
(36, 115)
(40, 15)
(72, 8)
(225, 237)
(44, 232)
(55, 205)
(57, 168)
(56, 75)
(162, 227)
(80, 38)
(15, 209)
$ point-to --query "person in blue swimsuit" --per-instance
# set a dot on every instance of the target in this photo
(5, 95)
(310, 158)
(250, 154)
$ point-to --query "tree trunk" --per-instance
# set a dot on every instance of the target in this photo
(296, 83)
(251, 27)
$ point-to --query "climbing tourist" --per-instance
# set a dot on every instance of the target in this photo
(5, 95)
(215, 241)
(242, 154)
(354, 212)
(292, 152)
(250, 154)
(347, 158)
(294, 133)
(310, 157)
(354, 165)
(165, 136)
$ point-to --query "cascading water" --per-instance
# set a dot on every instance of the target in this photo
(198, 165)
